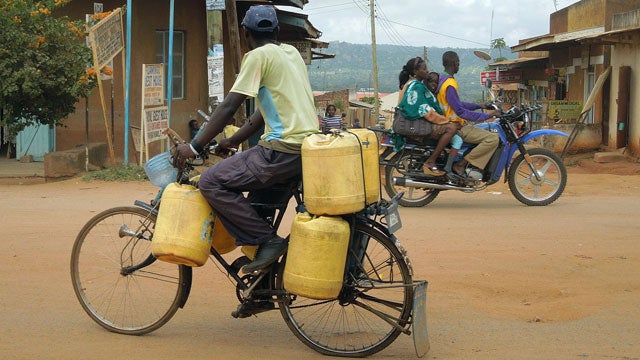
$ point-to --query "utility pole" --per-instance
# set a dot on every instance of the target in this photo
(376, 103)
(424, 56)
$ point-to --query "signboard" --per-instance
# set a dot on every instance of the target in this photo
(106, 38)
(215, 4)
(156, 120)
(135, 135)
(152, 84)
(563, 109)
(501, 76)
(304, 48)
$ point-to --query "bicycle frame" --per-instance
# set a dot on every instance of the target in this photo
(114, 248)
(278, 209)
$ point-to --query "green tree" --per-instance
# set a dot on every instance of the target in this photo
(43, 63)
(368, 99)
(499, 44)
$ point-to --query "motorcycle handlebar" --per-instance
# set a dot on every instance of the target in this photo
(203, 114)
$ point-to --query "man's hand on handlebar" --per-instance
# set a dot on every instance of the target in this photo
(181, 154)
(225, 148)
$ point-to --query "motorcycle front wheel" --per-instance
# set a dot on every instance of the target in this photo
(542, 189)
(413, 196)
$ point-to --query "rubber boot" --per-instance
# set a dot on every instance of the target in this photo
(452, 156)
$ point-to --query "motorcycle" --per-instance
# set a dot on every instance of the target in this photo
(536, 176)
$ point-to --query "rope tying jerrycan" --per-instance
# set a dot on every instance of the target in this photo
(370, 151)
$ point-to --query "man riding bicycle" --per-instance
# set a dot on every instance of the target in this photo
(275, 75)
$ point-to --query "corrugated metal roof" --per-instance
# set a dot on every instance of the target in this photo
(517, 61)
(296, 23)
(552, 41)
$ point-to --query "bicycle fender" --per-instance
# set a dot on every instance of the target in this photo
(185, 288)
(150, 208)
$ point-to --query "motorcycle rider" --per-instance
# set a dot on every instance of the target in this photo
(275, 74)
(463, 113)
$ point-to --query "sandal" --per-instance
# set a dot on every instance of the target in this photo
(433, 170)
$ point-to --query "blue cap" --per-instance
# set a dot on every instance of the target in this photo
(261, 18)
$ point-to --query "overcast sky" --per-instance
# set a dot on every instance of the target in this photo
(433, 23)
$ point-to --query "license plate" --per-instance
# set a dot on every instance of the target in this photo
(394, 223)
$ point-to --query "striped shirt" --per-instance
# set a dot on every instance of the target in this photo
(332, 122)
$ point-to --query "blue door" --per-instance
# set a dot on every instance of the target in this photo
(35, 140)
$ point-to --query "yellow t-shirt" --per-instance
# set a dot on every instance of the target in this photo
(444, 104)
(277, 77)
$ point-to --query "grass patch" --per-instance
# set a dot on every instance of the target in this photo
(120, 173)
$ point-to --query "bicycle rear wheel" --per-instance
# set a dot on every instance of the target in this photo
(116, 279)
(377, 286)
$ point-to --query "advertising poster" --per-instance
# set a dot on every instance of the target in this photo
(156, 120)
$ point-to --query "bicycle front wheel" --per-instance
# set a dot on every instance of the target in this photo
(373, 307)
(116, 279)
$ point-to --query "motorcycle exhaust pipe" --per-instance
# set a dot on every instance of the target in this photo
(400, 181)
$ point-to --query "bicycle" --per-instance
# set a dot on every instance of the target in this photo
(123, 287)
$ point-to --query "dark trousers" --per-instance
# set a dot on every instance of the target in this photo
(250, 171)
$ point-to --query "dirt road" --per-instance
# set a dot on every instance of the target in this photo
(506, 281)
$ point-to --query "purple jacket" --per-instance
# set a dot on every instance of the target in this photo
(463, 109)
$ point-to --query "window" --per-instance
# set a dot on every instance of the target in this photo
(162, 57)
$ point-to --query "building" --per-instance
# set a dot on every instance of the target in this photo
(196, 31)
(587, 41)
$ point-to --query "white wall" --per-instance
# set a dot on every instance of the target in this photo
(626, 55)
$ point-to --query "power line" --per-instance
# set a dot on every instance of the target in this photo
(436, 33)
(389, 29)
(327, 6)
(385, 22)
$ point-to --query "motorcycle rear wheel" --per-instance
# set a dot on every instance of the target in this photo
(532, 191)
(413, 197)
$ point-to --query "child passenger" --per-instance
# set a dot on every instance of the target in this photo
(433, 78)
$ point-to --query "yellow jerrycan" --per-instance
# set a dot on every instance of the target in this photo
(249, 251)
(222, 241)
(332, 175)
(183, 227)
(370, 153)
(316, 256)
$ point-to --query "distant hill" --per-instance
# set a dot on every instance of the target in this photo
(352, 69)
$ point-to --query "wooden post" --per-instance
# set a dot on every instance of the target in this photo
(374, 58)
(234, 34)
(234, 43)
